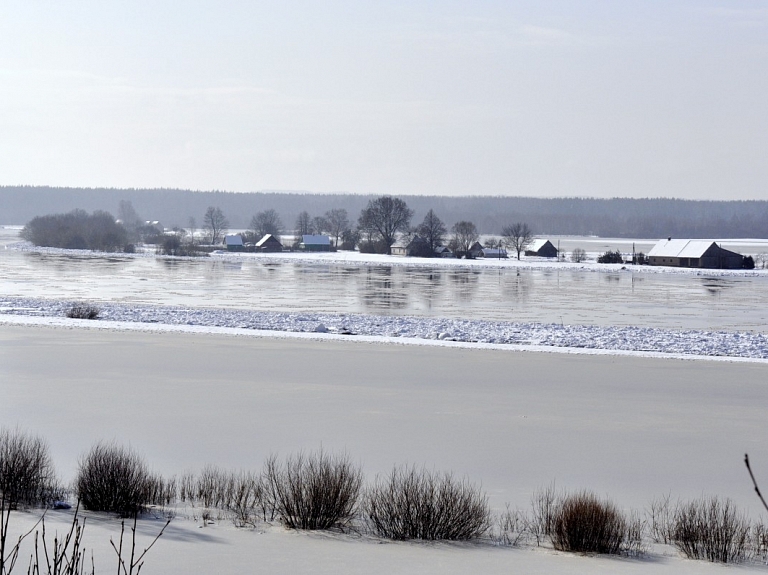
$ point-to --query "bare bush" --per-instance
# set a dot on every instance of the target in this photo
(418, 504)
(510, 528)
(543, 507)
(578, 255)
(83, 311)
(315, 491)
(662, 516)
(712, 529)
(112, 478)
(26, 478)
(584, 524)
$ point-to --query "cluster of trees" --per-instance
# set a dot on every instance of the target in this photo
(77, 230)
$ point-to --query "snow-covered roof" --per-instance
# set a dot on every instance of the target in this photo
(233, 240)
(266, 239)
(680, 248)
(316, 240)
(494, 252)
(536, 244)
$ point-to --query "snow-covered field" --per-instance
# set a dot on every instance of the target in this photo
(626, 427)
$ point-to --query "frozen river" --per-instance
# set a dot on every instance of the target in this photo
(505, 294)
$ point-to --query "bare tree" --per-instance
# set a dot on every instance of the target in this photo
(433, 230)
(387, 216)
(215, 223)
(518, 236)
(192, 225)
(338, 223)
(266, 222)
(303, 224)
(578, 255)
(319, 225)
(464, 235)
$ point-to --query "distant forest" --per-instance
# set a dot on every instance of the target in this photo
(616, 217)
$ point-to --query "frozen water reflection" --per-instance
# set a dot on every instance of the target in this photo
(503, 294)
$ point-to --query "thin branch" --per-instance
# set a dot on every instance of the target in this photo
(752, 476)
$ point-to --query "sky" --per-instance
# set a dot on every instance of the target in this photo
(535, 98)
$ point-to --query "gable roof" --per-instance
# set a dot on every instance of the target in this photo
(316, 240)
(680, 248)
(267, 239)
(537, 244)
(233, 240)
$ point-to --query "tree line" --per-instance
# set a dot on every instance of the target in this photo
(651, 218)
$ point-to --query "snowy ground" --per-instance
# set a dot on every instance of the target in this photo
(626, 427)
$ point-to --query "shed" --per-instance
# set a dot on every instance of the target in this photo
(269, 243)
(234, 243)
(542, 248)
(443, 252)
(693, 254)
(315, 243)
(494, 253)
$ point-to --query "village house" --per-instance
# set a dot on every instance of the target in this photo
(234, 243)
(542, 248)
(315, 243)
(269, 243)
(494, 253)
(476, 250)
(443, 252)
(414, 246)
(693, 254)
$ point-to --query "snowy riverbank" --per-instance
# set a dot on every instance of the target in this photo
(645, 341)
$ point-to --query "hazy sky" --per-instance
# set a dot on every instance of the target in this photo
(603, 99)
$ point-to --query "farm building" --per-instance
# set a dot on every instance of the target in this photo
(415, 246)
(542, 248)
(315, 243)
(476, 250)
(234, 243)
(693, 254)
(269, 243)
(494, 253)
(443, 252)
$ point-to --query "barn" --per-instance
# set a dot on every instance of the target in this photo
(315, 243)
(542, 248)
(693, 254)
(269, 243)
(234, 243)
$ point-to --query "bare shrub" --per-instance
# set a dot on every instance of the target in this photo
(662, 516)
(112, 478)
(246, 499)
(758, 542)
(83, 311)
(315, 491)
(578, 255)
(543, 507)
(510, 528)
(418, 504)
(26, 478)
(584, 524)
(27, 475)
(712, 529)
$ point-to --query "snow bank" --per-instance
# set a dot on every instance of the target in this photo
(404, 329)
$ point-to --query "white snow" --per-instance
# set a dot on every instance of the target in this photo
(653, 342)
